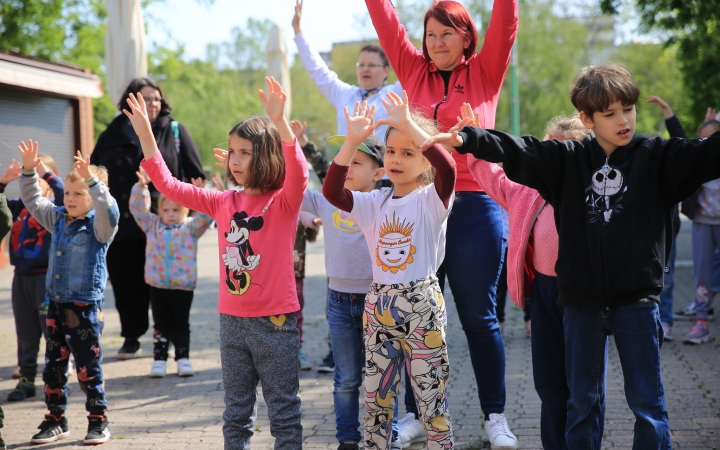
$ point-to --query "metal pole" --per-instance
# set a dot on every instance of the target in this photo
(514, 93)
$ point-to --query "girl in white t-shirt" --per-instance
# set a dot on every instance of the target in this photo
(405, 317)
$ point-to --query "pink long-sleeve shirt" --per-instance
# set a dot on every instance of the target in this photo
(255, 236)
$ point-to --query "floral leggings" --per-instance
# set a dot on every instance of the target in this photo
(406, 323)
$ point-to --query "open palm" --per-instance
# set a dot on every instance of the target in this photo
(360, 123)
(273, 100)
(138, 114)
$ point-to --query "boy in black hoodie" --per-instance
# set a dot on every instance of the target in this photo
(613, 194)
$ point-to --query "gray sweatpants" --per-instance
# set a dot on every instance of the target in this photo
(264, 349)
(30, 311)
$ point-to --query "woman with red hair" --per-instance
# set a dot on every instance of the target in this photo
(438, 79)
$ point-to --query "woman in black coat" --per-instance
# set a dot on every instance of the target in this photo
(118, 149)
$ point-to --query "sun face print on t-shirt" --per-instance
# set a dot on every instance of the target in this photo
(394, 246)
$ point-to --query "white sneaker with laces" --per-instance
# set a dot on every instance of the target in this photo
(184, 368)
(499, 434)
(411, 431)
(157, 370)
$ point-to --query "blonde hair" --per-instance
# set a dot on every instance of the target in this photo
(97, 171)
(428, 126)
(162, 199)
(566, 128)
(49, 162)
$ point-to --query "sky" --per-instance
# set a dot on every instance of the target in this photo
(195, 25)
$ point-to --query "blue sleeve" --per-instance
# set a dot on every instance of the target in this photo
(57, 185)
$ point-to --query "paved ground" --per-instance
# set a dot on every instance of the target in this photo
(174, 413)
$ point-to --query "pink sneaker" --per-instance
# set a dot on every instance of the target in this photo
(700, 333)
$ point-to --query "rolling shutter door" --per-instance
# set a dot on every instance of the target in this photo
(47, 120)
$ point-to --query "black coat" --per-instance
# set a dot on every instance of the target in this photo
(118, 149)
(615, 225)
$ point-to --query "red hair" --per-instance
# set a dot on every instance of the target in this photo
(452, 14)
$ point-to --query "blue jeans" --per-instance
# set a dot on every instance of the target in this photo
(666, 295)
(473, 259)
(638, 337)
(345, 319)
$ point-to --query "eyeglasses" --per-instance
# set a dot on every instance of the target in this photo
(368, 66)
(152, 99)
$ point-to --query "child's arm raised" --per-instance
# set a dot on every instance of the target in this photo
(296, 170)
(199, 223)
(360, 126)
(526, 160)
(39, 207)
(54, 181)
(140, 202)
(202, 200)
(107, 213)
(445, 168)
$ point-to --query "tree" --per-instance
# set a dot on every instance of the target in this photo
(695, 26)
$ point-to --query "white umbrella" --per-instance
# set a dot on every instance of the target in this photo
(125, 55)
(277, 65)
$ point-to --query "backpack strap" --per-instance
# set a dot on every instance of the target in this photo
(176, 132)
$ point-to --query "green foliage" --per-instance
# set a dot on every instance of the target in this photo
(656, 72)
(550, 49)
(695, 26)
(207, 100)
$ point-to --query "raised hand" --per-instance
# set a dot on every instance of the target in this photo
(221, 156)
(360, 124)
(299, 128)
(711, 114)
(466, 112)
(274, 100)
(198, 182)
(143, 178)
(218, 182)
(398, 111)
(667, 111)
(297, 17)
(29, 155)
(11, 173)
(82, 165)
(138, 114)
(449, 140)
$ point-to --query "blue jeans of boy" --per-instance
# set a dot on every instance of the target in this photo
(345, 319)
(638, 337)
(474, 253)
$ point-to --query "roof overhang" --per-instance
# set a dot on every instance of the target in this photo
(53, 78)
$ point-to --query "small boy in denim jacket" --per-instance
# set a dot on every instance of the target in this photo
(77, 273)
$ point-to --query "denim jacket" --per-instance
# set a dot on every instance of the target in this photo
(77, 270)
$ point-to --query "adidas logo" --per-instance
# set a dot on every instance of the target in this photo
(459, 88)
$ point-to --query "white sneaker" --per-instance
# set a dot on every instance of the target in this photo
(411, 431)
(157, 370)
(184, 368)
(499, 434)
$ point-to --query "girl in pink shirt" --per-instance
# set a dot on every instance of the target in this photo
(259, 340)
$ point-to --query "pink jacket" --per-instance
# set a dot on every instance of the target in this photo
(524, 205)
